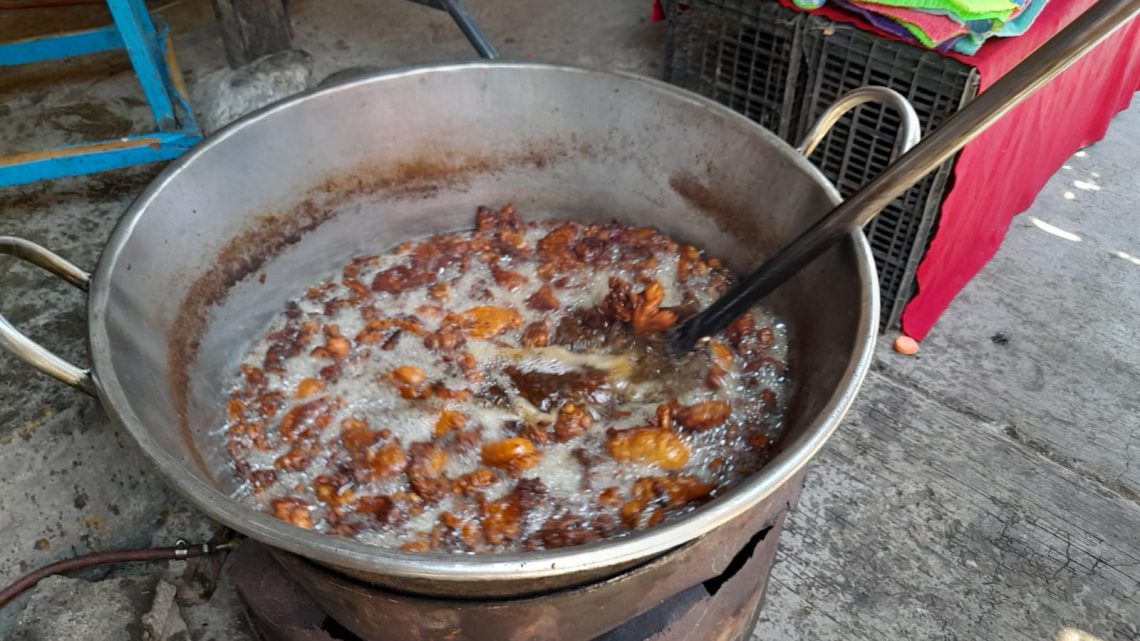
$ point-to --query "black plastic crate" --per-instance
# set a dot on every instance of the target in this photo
(740, 53)
(783, 68)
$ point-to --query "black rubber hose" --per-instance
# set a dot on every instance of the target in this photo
(20, 585)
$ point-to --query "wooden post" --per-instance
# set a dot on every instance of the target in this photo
(252, 29)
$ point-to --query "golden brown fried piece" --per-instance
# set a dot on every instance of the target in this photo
(287, 343)
(555, 246)
(453, 533)
(449, 421)
(689, 262)
(702, 416)
(295, 459)
(502, 518)
(488, 321)
(381, 508)
(254, 376)
(569, 529)
(741, 329)
(722, 363)
(501, 521)
(609, 496)
(261, 479)
(447, 337)
(537, 334)
(513, 454)
(425, 472)
(543, 299)
(376, 331)
(653, 445)
(387, 461)
(661, 492)
(488, 220)
(309, 386)
(619, 303)
(235, 408)
(299, 421)
(247, 433)
(409, 375)
(336, 346)
(360, 291)
(416, 546)
(357, 437)
(332, 491)
(765, 337)
(631, 513)
(440, 292)
(410, 380)
(572, 422)
(676, 491)
(293, 511)
(758, 441)
(471, 481)
(470, 367)
(648, 317)
(509, 280)
(429, 312)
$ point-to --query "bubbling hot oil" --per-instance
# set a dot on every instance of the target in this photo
(619, 377)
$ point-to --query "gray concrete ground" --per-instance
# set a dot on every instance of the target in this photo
(989, 488)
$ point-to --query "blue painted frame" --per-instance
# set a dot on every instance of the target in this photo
(65, 45)
(151, 52)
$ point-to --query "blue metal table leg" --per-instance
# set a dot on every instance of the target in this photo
(79, 43)
(141, 42)
(21, 169)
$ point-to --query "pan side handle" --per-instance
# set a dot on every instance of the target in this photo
(25, 348)
(910, 131)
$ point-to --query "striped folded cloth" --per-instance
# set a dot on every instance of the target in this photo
(944, 25)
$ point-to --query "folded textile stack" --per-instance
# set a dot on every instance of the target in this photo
(946, 25)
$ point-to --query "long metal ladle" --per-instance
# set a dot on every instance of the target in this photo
(1048, 60)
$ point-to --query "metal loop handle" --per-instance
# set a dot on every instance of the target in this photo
(910, 131)
(25, 348)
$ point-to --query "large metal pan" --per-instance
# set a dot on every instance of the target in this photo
(248, 219)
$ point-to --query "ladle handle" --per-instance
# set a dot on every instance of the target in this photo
(25, 348)
(1048, 60)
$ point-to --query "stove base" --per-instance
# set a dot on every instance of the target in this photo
(699, 592)
(722, 609)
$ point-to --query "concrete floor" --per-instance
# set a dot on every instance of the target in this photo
(988, 489)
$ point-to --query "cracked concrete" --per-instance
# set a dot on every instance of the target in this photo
(989, 488)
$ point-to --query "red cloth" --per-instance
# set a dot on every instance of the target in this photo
(998, 175)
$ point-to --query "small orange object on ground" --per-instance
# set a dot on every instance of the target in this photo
(906, 345)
